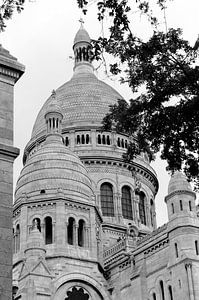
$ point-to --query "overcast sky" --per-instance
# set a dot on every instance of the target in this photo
(41, 37)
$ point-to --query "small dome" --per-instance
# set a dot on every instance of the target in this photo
(53, 169)
(82, 36)
(178, 182)
(53, 106)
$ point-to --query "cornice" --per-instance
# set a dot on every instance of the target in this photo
(8, 152)
(179, 192)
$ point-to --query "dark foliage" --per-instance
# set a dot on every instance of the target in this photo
(165, 115)
(7, 8)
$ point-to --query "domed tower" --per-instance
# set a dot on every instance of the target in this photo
(56, 223)
(183, 231)
(124, 200)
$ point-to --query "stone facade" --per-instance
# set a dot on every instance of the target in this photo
(10, 72)
(84, 220)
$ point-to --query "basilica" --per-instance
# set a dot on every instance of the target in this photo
(84, 221)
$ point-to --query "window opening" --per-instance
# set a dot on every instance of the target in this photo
(108, 140)
(36, 222)
(190, 207)
(162, 290)
(17, 238)
(176, 249)
(126, 203)
(103, 140)
(87, 139)
(172, 207)
(154, 296)
(83, 139)
(48, 230)
(77, 294)
(99, 139)
(181, 206)
(70, 231)
(142, 208)
(67, 141)
(196, 247)
(118, 142)
(81, 238)
(151, 211)
(170, 292)
(126, 144)
(78, 139)
(122, 143)
(107, 205)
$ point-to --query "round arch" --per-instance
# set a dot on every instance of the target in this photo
(78, 277)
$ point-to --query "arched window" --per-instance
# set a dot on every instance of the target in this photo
(151, 211)
(87, 139)
(108, 140)
(172, 208)
(196, 247)
(176, 249)
(107, 205)
(170, 292)
(181, 206)
(99, 139)
(77, 294)
(162, 290)
(71, 231)
(48, 230)
(122, 143)
(78, 139)
(118, 142)
(83, 139)
(142, 208)
(17, 238)
(126, 203)
(81, 233)
(37, 222)
(190, 207)
(103, 139)
(154, 296)
(66, 141)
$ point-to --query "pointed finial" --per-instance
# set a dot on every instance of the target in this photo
(53, 95)
(81, 21)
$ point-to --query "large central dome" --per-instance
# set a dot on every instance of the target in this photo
(84, 100)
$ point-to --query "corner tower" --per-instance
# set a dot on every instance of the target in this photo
(183, 231)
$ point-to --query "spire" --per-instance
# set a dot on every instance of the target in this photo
(53, 116)
(82, 49)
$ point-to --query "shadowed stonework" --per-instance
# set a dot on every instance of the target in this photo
(84, 221)
(10, 72)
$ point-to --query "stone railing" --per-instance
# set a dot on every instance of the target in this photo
(115, 249)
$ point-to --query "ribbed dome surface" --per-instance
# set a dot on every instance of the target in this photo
(82, 36)
(84, 101)
(54, 168)
(178, 182)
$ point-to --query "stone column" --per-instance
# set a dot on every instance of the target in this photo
(188, 267)
(10, 72)
(75, 234)
(93, 138)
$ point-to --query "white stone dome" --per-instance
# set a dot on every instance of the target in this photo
(53, 169)
(178, 182)
(84, 101)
